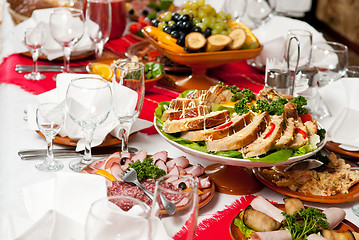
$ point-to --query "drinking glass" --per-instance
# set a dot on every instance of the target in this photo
(305, 40)
(67, 28)
(34, 40)
(260, 11)
(331, 60)
(352, 71)
(118, 217)
(128, 96)
(236, 8)
(182, 191)
(98, 20)
(49, 119)
(88, 103)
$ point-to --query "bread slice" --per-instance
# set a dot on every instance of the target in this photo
(242, 138)
(267, 139)
(201, 122)
(185, 113)
(236, 123)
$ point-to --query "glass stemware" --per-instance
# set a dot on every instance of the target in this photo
(88, 103)
(128, 96)
(49, 119)
(34, 40)
(331, 60)
(305, 40)
(182, 191)
(98, 20)
(67, 28)
(236, 8)
(260, 11)
(118, 217)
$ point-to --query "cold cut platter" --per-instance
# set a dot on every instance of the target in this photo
(148, 168)
(337, 227)
(219, 125)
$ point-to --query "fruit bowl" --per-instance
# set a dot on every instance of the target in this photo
(201, 61)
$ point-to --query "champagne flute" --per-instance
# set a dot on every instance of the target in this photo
(98, 20)
(35, 40)
(88, 103)
(49, 119)
(129, 93)
(67, 28)
(118, 217)
(182, 191)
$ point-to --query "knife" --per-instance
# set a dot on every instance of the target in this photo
(101, 151)
(62, 156)
(48, 68)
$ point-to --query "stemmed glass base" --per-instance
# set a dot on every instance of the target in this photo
(78, 165)
(34, 76)
(355, 210)
(47, 167)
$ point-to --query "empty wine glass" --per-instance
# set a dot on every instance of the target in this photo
(34, 40)
(331, 60)
(260, 11)
(118, 217)
(98, 20)
(67, 28)
(128, 96)
(182, 191)
(88, 103)
(49, 119)
(236, 8)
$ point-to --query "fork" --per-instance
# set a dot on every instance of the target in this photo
(131, 177)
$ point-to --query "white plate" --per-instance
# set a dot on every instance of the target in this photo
(236, 161)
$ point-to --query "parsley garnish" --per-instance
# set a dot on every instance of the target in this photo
(300, 101)
(146, 169)
(276, 106)
(305, 222)
(321, 133)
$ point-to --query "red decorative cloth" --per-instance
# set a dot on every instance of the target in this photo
(238, 73)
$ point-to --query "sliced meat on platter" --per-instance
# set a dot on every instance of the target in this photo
(117, 163)
(287, 135)
(228, 128)
(171, 114)
(242, 138)
(265, 221)
(201, 122)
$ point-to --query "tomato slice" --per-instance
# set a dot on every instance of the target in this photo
(223, 126)
(271, 129)
(304, 134)
(135, 27)
(306, 117)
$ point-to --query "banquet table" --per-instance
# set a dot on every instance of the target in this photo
(15, 174)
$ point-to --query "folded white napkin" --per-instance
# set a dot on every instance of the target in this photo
(273, 35)
(52, 49)
(61, 203)
(73, 130)
(342, 99)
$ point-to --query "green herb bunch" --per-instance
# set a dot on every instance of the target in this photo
(305, 222)
(146, 170)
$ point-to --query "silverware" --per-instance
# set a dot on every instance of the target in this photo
(63, 156)
(32, 152)
(131, 177)
(48, 68)
(308, 164)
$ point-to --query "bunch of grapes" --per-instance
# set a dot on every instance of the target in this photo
(196, 16)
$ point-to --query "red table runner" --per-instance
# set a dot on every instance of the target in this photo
(238, 73)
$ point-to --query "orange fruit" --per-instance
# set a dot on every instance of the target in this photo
(106, 174)
(103, 70)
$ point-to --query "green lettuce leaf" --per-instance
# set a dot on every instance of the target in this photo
(218, 107)
(243, 228)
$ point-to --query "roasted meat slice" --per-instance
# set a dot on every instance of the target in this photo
(300, 137)
(267, 139)
(183, 103)
(287, 135)
(242, 138)
(185, 113)
(235, 124)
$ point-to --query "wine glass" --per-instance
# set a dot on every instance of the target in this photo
(88, 103)
(67, 28)
(98, 20)
(34, 40)
(49, 119)
(331, 60)
(182, 191)
(128, 96)
(118, 217)
(260, 11)
(236, 8)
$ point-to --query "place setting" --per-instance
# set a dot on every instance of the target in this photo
(254, 139)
